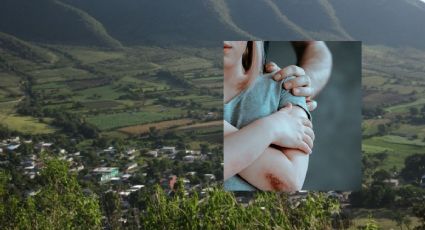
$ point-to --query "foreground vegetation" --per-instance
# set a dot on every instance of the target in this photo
(60, 204)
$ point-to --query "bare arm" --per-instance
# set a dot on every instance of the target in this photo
(239, 153)
(316, 60)
(275, 169)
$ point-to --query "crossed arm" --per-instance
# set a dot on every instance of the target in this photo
(265, 167)
(271, 167)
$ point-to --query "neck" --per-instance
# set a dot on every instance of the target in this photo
(233, 77)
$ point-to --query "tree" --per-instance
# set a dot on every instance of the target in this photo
(413, 111)
(414, 167)
(4, 132)
(381, 175)
(58, 204)
(382, 129)
(112, 207)
(205, 148)
(153, 132)
(419, 211)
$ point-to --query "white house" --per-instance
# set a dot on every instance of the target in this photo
(131, 151)
(126, 176)
(13, 147)
(110, 149)
(130, 166)
(125, 193)
(168, 149)
(105, 173)
(152, 153)
(193, 152)
(189, 158)
(209, 176)
(136, 188)
(192, 173)
(392, 182)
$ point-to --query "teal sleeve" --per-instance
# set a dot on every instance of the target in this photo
(287, 97)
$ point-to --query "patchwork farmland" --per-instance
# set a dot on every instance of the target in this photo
(124, 91)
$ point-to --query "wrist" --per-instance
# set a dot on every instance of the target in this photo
(267, 128)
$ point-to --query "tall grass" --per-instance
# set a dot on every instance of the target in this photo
(220, 210)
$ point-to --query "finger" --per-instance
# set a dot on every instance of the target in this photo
(302, 91)
(312, 105)
(310, 133)
(307, 122)
(292, 70)
(308, 141)
(288, 71)
(299, 81)
(304, 147)
(271, 67)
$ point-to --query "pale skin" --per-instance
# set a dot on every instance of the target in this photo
(263, 166)
(312, 74)
(275, 129)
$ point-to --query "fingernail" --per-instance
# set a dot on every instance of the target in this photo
(288, 85)
(296, 91)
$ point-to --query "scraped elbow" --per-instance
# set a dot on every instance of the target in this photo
(286, 185)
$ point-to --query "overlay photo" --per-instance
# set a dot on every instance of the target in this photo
(292, 115)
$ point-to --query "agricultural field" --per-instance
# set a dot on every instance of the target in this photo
(142, 129)
(9, 86)
(397, 148)
(118, 120)
(385, 218)
(25, 124)
(394, 86)
(122, 92)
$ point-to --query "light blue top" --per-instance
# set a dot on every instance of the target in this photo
(263, 97)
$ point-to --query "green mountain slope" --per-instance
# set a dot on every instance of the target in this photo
(162, 22)
(10, 45)
(51, 21)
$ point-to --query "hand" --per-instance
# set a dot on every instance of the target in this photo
(300, 85)
(291, 130)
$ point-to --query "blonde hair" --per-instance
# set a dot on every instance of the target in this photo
(252, 62)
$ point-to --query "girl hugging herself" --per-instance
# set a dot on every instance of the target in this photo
(268, 133)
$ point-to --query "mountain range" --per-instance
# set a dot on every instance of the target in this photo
(112, 23)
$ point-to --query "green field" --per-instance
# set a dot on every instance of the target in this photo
(26, 124)
(9, 86)
(383, 217)
(59, 74)
(393, 80)
(109, 88)
(118, 120)
(89, 56)
(397, 148)
(404, 108)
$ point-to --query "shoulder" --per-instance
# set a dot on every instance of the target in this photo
(268, 84)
